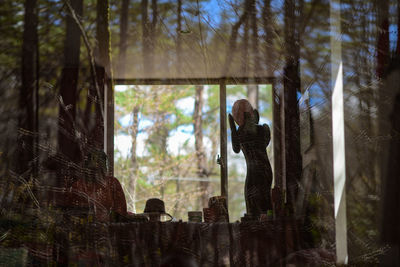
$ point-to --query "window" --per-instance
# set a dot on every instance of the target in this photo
(158, 118)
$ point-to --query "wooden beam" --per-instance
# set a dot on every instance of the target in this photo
(109, 125)
(277, 137)
(196, 81)
(223, 137)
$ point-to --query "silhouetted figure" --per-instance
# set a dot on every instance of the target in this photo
(97, 191)
(253, 140)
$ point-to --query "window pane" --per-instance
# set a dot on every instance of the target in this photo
(236, 162)
(167, 163)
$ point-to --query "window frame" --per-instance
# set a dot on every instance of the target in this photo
(222, 82)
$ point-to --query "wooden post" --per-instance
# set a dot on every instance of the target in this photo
(277, 137)
(338, 135)
(223, 147)
(109, 124)
(103, 59)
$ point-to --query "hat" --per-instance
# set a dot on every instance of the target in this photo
(155, 206)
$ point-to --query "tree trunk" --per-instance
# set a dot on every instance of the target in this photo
(157, 139)
(366, 96)
(123, 36)
(252, 90)
(269, 38)
(214, 150)
(162, 138)
(254, 39)
(178, 70)
(103, 35)
(230, 52)
(383, 37)
(291, 84)
(200, 155)
(385, 102)
(134, 171)
(153, 33)
(245, 45)
(68, 86)
(179, 38)
(385, 93)
(145, 37)
(154, 7)
(382, 60)
(252, 95)
(148, 35)
(29, 85)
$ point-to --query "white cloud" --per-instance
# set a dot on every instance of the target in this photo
(121, 88)
(177, 140)
(144, 123)
(125, 120)
(186, 104)
(123, 143)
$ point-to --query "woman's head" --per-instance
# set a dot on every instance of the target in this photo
(96, 161)
(240, 107)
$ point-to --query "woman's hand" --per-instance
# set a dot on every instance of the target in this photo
(235, 138)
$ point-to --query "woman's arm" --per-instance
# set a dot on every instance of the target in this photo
(234, 134)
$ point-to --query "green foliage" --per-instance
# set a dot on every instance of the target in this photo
(159, 171)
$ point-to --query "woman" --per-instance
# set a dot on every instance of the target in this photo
(99, 193)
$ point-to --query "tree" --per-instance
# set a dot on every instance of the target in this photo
(291, 84)
(68, 85)
(252, 90)
(149, 35)
(123, 36)
(200, 154)
(28, 93)
(124, 19)
(231, 49)
(268, 23)
(179, 37)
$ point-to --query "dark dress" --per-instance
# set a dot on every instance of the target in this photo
(105, 198)
(253, 140)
